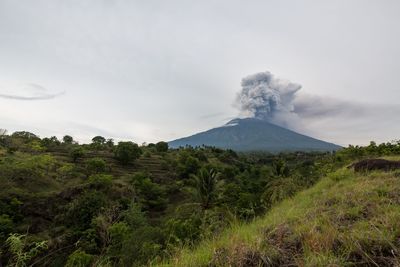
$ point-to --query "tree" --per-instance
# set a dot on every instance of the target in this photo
(126, 152)
(278, 190)
(3, 134)
(84, 208)
(67, 139)
(98, 140)
(187, 165)
(110, 142)
(162, 146)
(76, 153)
(27, 136)
(280, 168)
(206, 186)
(152, 195)
(55, 140)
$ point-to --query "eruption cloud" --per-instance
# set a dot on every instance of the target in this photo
(279, 102)
(267, 98)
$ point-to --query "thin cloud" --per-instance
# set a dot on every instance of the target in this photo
(31, 92)
(43, 97)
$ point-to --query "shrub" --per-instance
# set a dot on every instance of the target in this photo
(101, 180)
(79, 258)
(95, 165)
(81, 211)
(278, 190)
(98, 142)
(22, 252)
(126, 152)
(187, 165)
(152, 195)
(67, 139)
(6, 226)
(76, 153)
(162, 147)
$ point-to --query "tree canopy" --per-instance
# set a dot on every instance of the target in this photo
(127, 152)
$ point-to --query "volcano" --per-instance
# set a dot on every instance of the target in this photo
(254, 135)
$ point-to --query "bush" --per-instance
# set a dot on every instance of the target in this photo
(162, 147)
(98, 142)
(95, 165)
(76, 153)
(67, 171)
(67, 139)
(79, 258)
(6, 226)
(126, 152)
(152, 195)
(23, 252)
(101, 180)
(187, 165)
(184, 228)
(81, 211)
(279, 190)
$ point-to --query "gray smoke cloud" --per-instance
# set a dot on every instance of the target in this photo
(265, 97)
(30, 91)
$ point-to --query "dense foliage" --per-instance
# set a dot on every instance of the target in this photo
(102, 204)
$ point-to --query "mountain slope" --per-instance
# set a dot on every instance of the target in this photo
(254, 135)
(346, 219)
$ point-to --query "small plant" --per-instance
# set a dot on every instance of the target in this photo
(21, 251)
(79, 258)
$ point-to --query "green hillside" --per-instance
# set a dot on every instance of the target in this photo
(121, 204)
(346, 219)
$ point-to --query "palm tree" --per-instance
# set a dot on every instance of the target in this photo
(206, 186)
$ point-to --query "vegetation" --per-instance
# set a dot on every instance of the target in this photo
(100, 204)
(126, 152)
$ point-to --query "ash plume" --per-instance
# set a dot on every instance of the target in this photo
(267, 98)
(277, 101)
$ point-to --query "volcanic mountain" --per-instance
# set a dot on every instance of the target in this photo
(254, 135)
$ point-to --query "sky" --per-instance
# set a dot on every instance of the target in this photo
(159, 70)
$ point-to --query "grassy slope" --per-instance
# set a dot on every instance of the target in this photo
(346, 219)
(37, 195)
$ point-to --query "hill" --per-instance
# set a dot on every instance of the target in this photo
(66, 204)
(254, 135)
(105, 204)
(346, 219)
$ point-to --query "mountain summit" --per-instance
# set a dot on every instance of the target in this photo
(254, 135)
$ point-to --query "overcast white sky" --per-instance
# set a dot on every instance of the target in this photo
(159, 70)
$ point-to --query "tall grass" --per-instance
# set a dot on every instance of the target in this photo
(344, 219)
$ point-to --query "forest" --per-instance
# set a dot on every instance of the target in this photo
(122, 204)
